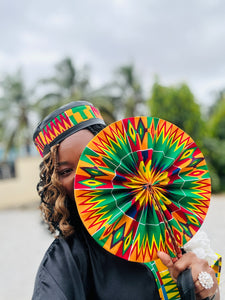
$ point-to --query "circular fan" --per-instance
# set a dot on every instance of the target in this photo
(142, 186)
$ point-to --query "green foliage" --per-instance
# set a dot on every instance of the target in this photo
(217, 118)
(177, 105)
(215, 158)
(132, 101)
(215, 142)
(122, 97)
(15, 108)
(67, 82)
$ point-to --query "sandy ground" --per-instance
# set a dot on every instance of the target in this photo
(24, 241)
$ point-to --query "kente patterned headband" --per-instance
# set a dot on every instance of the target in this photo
(63, 122)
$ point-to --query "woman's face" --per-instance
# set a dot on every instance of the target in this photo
(69, 153)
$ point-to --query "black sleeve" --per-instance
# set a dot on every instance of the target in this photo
(46, 287)
(58, 276)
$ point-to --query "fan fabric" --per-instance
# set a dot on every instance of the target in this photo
(142, 186)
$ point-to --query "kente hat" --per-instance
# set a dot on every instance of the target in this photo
(63, 122)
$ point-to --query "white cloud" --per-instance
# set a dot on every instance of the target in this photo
(59, 21)
(175, 39)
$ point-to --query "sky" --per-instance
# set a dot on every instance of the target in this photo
(175, 40)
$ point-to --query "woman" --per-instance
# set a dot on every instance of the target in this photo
(75, 266)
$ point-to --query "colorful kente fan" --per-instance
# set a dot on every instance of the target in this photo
(142, 185)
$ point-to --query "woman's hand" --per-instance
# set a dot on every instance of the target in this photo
(197, 265)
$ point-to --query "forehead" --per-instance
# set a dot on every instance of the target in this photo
(74, 145)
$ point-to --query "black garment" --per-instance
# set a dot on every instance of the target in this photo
(78, 268)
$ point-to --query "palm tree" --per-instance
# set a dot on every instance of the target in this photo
(68, 82)
(71, 83)
(122, 97)
(107, 99)
(131, 95)
(15, 113)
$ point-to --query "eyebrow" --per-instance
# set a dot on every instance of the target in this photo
(62, 163)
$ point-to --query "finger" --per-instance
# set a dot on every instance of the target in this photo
(183, 263)
(204, 293)
(180, 265)
(165, 259)
(198, 287)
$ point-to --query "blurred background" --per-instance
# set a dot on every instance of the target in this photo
(155, 58)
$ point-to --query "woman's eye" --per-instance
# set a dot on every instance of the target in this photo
(65, 172)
